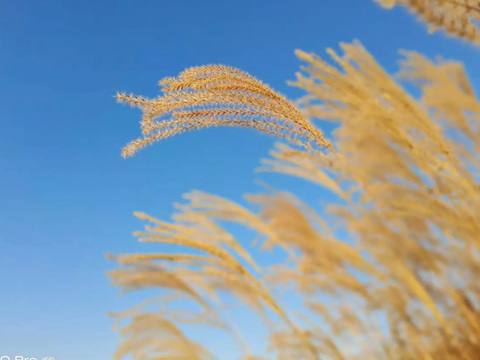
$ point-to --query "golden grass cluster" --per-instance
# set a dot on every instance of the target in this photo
(388, 271)
(459, 18)
(217, 95)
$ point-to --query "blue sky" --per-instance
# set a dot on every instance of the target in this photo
(67, 196)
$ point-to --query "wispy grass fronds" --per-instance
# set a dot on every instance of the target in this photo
(458, 18)
(218, 95)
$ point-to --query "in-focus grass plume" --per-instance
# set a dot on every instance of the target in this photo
(402, 284)
(218, 95)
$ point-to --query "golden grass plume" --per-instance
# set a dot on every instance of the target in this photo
(459, 18)
(218, 95)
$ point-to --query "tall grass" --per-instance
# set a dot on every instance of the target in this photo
(405, 171)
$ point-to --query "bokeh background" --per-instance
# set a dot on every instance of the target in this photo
(66, 195)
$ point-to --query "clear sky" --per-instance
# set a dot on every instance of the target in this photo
(66, 195)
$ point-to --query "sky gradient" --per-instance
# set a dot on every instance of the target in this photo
(67, 197)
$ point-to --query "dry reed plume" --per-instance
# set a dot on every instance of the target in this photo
(459, 18)
(388, 272)
(217, 95)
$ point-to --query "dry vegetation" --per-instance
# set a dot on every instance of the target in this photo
(457, 17)
(402, 285)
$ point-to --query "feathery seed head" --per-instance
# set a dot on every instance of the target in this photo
(218, 95)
